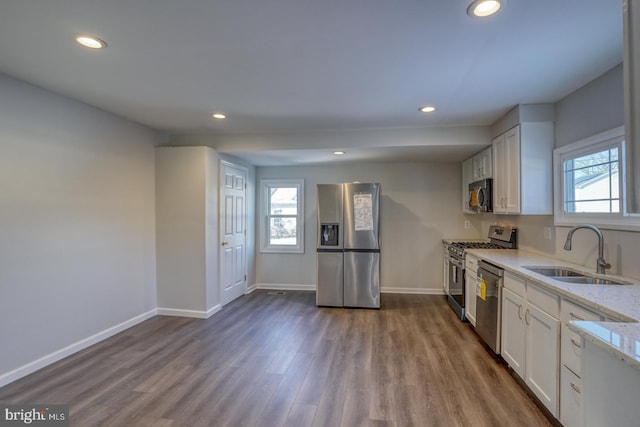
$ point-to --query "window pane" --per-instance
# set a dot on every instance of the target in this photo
(283, 201)
(282, 231)
(591, 182)
(614, 154)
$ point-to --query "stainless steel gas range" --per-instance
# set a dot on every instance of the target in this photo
(499, 238)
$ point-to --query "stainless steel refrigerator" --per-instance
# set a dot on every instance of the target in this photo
(348, 245)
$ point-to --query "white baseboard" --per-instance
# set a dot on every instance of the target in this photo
(213, 310)
(197, 314)
(251, 289)
(29, 368)
(281, 287)
(416, 291)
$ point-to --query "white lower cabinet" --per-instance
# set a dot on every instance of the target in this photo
(531, 337)
(513, 330)
(445, 271)
(471, 287)
(570, 398)
(541, 360)
(611, 389)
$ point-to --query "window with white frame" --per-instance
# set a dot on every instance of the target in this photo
(589, 182)
(282, 225)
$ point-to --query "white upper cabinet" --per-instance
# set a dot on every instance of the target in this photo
(523, 170)
(482, 165)
(506, 179)
(467, 178)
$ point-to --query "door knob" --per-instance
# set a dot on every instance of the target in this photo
(225, 243)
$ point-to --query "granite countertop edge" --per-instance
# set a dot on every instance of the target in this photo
(621, 303)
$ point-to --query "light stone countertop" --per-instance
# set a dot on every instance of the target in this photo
(621, 338)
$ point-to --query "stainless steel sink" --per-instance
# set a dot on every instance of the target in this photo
(555, 271)
(569, 275)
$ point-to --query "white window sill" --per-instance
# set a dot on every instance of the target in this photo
(623, 223)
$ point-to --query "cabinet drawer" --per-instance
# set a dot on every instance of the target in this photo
(471, 263)
(515, 284)
(571, 348)
(572, 311)
(544, 300)
(570, 399)
(571, 343)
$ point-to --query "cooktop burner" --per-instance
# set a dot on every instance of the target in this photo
(501, 238)
(478, 245)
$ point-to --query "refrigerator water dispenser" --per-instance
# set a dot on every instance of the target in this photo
(329, 234)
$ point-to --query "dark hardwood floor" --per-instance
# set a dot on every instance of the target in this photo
(273, 360)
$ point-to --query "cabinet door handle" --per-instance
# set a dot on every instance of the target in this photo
(576, 388)
(526, 317)
(575, 316)
(576, 343)
(520, 312)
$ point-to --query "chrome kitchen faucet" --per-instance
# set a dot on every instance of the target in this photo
(601, 263)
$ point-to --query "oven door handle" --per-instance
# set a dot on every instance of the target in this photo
(455, 262)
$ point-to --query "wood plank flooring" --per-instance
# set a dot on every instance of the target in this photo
(278, 360)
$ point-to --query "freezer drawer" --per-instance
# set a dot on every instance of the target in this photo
(329, 290)
(362, 279)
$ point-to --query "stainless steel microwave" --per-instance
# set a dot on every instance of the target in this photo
(480, 196)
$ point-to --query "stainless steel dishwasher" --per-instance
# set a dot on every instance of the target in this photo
(489, 304)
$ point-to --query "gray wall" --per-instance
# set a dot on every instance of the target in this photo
(596, 107)
(421, 204)
(77, 239)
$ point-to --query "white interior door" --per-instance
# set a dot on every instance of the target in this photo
(233, 226)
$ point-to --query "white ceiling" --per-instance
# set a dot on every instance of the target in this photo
(302, 65)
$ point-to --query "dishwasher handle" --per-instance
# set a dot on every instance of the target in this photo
(494, 270)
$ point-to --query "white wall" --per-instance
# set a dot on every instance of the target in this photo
(77, 238)
(181, 203)
(187, 232)
(443, 136)
(420, 205)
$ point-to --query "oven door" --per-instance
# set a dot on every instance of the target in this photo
(456, 280)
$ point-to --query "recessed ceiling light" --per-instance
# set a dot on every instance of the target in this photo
(339, 153)
(427, 109)
(219, 116)
(482, 8)
(92, 42)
